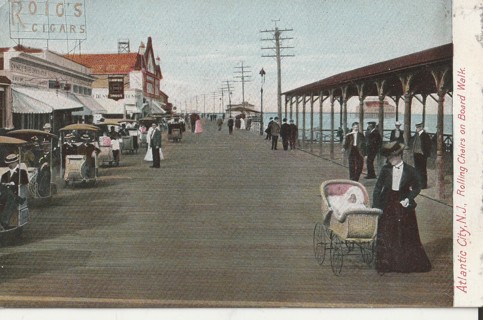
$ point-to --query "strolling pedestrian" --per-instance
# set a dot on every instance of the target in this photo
(155, 143)
(421, 153)
(116, 150)
(198, 126)
(373, 144)
(285, 133)
(398, 245)
(219, 123)
(355, 145)
(230, 124)
(397, 134)
(268, 129)
(274, 132)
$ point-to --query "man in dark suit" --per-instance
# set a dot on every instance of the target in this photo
(155, 144)
(230, 125)
(285, 133)
(9, 197)
(373, 143)
(397, 134)
(88, 149)
(356, 146)
(421, 152)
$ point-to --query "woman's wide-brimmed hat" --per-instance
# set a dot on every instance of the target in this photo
(393, 148)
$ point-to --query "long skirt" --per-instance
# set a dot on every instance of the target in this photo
(398, 246)
(149, 155)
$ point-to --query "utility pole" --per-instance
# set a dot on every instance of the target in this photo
(277, 39)
(214, 101)
(244, 75)
(229, 89)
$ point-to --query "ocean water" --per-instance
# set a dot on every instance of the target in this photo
(430, 123)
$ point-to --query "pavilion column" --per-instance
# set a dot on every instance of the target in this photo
(291, 107)
(286, 104)
(311, 121)
(321, 126)
(344, 99)
(408, 95)
(332, 119)
(297, 101)
(423, 102)
(424, 97)
(382, 96)
(303, 121)
(362, 97)
(441, 81)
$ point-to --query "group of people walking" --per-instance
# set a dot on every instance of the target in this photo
(360, 147)
(288, 133)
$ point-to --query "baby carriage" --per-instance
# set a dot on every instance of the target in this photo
(349, 224)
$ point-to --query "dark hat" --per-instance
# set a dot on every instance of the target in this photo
(271, 118)
(291, 121)
(276, 118)
(372, 123)
(354, 123)
(284, 119)
(11, 158)
(393, 148)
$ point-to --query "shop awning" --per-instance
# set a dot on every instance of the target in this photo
(156, 108)
(132, 109)
(91, 106)
(26, 104)
(34, 100)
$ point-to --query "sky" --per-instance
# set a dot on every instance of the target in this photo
(201, 44)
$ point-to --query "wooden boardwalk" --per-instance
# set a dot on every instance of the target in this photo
(226, 222)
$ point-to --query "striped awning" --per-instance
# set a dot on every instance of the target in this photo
(91, 106)
(36, 100)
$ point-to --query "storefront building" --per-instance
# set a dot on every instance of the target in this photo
(136, 76)
(39, 87)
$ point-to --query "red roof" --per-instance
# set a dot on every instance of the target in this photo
(107, 63)
(386, 69)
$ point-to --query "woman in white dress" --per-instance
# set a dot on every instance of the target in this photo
(149, 154)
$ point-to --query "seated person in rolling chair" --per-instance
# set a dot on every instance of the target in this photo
(9, 199)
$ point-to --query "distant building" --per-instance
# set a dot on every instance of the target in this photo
(40, 86)
(137, 76)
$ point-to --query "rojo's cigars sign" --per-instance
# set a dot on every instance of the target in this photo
(47, 19)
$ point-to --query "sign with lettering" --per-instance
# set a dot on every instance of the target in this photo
(50, 20)
(116, 87)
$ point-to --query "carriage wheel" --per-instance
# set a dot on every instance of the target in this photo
(320, 242)
(367, 252)
(337, 255)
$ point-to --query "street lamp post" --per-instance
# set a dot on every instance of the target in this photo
(262, 75)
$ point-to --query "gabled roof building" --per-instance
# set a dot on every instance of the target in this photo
(141, 76)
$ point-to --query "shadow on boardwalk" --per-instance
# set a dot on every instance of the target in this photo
(225, 222)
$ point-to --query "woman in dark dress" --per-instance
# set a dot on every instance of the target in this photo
(398, 246)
